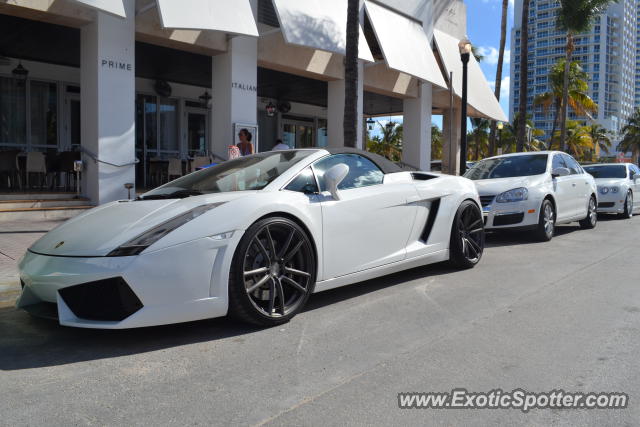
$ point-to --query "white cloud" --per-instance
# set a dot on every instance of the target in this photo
(504, 87)
(491, 54)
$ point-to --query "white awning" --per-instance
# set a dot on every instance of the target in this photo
(218, 15)
(114, 7)
(404, 44)
(479, 95)
(319, 25)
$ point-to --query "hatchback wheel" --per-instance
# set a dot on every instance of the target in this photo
(628, 207)
(591, 219)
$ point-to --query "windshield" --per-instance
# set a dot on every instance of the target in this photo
(242, 174)
(508, 167)
(612, 171)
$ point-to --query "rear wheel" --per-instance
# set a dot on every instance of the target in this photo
(467, 236)
(273, 273)
(591, 219)
(628, 207)
(546, 222)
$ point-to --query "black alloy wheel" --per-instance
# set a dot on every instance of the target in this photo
(273, 272)
(467, 236)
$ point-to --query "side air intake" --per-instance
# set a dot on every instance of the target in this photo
(431, 219)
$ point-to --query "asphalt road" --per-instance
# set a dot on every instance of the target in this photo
(559, 315)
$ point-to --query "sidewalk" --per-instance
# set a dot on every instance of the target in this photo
(15, 238)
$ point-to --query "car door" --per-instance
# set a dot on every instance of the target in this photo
(580, 186)
(369, 226)
(635, 185)
(563, 190)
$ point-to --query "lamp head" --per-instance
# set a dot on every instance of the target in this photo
(465, 46)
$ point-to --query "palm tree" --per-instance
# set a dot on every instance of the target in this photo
(479, 138)
(578, 98)
(600, 138)
(436, 142)
(389, 144)
(350, 123)
(578, 140)
(575, 17)
(524, 76)
(503, 41)
(631, 139)
(508, 136)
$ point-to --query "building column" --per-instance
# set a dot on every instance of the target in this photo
(235, 93)
(451, 142)
(107, 82)
(416, 148)
(335, 111)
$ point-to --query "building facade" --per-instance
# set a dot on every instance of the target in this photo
(143, 89)
(607, 53)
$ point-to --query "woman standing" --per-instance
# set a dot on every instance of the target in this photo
(245, 145)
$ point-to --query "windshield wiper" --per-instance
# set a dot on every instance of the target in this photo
(180, 194)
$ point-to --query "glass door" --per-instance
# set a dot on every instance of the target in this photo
(197, 131)
(298, 133)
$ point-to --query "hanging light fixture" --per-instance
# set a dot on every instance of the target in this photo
(205, 98)
(20, 73)
(390, 125)
(271, 109)
(370, 123)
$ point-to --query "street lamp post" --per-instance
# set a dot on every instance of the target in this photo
(500, 127)
(465, 53)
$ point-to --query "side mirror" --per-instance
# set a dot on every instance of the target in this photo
(560, 172)
(333, 177)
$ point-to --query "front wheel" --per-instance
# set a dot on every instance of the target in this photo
(467, 236)
(628, 207)
(546, 222)
(591, 219)
(273, 272)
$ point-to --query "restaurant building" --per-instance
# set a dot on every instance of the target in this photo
(145, 90)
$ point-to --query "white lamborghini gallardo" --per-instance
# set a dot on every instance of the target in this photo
(253, 237)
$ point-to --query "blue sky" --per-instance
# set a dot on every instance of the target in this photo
(483, 29)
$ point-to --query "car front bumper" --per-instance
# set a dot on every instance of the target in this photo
(180, 283)
(514, 215)
(611, 202)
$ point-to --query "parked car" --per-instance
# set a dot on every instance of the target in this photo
(436, 165)
(617, 183)
(253, 236)
(535, 191)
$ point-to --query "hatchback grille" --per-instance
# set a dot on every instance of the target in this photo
(486, 200)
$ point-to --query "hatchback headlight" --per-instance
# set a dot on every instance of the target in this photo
(149, 237)
(606, 190)
(514, 195)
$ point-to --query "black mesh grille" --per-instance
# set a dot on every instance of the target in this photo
(108, 300)
(508, 219)
(486, 200)
(606, 204)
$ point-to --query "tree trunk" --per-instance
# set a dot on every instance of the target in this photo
(556, 114)
(351, 75)
(503, 40)
(524, 77)
(565, 92)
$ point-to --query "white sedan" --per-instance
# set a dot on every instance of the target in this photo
(254, 237)
(535, 191)
(617, 184)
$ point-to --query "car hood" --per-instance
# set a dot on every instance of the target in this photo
(104, 228)
(492, 187)
(609, 182)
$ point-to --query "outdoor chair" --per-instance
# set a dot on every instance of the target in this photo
(67, 158)
(36, 164)
(174, 168)
(9, 169)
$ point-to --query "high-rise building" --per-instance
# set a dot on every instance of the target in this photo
(607, 53)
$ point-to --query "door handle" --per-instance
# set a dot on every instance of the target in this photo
(573, 185)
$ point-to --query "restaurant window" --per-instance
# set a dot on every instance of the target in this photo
(168, 132)
(34, 100)
(13, 112)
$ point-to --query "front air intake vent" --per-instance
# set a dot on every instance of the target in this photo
(106, 300)
(431, 219)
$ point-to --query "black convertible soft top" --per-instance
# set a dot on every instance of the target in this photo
(385, 165)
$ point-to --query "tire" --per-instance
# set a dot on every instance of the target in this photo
(546, 222)
(466, 244)
(591, 220)
(628, 207)
(272, 274)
